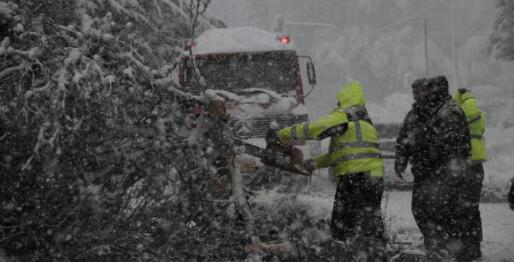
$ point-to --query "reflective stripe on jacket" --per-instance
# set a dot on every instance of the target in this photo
(476, 121)
(354, 151)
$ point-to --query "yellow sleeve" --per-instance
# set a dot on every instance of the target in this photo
(470, 108)
(312, 130)
(322, 161)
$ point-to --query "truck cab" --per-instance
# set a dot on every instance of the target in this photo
(256, 72)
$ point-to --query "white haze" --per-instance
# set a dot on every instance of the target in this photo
(357, 43)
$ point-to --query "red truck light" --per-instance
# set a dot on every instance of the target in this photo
(284, 39)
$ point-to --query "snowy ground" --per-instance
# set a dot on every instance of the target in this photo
(497, 219)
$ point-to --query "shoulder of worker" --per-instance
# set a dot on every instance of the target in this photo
(450, 110)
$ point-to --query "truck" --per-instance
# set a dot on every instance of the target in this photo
(258, 74)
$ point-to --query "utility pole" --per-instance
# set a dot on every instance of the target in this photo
(426, 47)
(454, 47)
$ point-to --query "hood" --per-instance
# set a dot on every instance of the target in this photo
(350, 95)
(439, 92)
(462, 95)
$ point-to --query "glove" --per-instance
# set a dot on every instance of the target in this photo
(399, 167)
(272, 137)
(309, 165)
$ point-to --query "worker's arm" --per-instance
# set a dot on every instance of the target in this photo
(336, 123)
(404, 143)
(316, 130)
(322, 161)
(467, 101)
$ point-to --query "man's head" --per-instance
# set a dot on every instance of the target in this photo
(439, 87)
(430, 91)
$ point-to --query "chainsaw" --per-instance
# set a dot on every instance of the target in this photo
(278, 155)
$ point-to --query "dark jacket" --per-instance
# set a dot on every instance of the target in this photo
(431, 136)
(511, 194)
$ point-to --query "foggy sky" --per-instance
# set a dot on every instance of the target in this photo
(473, 17)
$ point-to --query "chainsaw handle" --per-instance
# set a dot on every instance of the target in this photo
(271, 137)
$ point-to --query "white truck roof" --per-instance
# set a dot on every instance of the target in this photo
(238, 39)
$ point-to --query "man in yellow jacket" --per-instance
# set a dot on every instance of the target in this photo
(355, 157)
(470, 229)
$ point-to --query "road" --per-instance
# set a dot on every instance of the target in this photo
(497, 220)
(497, 223)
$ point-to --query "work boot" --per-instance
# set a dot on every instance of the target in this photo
(471, 251)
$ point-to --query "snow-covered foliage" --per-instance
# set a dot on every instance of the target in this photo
(92, 160)
(477, 67)
(503, 35)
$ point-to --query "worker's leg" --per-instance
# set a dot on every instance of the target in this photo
(467, 220)
(371, 240)
(431, 212)
(357, 219)
(342, 223)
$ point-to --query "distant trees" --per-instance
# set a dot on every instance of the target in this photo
(503, 37)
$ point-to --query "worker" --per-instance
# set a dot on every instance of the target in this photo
(470, 228)
(357, 163)
(435, 139)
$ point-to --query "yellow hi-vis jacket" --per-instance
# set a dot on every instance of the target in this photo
(476, 121)
(354, 151)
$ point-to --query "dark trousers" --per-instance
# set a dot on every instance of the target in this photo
(467, 221)
(431, 210)
(356, 216)
(446, 210)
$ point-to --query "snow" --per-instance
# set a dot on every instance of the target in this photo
(4, 45)
(74, 56)
(7, 10)
(256, 103)
(497, 222)
(497, 219)
(129, 72)
(222, 95)
(392, 110)
(240, 39)
(300, 109)
(248, 108)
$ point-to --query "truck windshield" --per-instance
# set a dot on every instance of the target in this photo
(274, 70)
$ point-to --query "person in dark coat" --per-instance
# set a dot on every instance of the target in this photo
(435, 140)
(511, 194)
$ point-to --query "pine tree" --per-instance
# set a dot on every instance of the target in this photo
(502, 39)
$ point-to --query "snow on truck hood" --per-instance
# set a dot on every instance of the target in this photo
(256, 102)
(239, 39)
